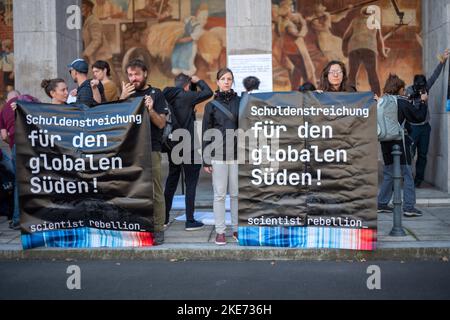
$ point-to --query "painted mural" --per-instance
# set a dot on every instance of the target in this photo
(189, 36)
(372, 38)
(6, 48)
(171, 36)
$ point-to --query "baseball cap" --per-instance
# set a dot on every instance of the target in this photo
(79, 65)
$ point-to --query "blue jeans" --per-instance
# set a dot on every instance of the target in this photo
(421, 137)
(7, 161)
(6, 183)
(387, 187)
(16, 213)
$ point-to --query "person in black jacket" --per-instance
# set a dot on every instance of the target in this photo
(183, 98)
(420, 132)
(220, 159)
(406, 112)
(89, 92)
(251, 84)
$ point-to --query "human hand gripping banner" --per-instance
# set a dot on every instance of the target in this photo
(309, 176)
(84, 175)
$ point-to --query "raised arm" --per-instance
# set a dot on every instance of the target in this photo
(205, 91)
(438, 69)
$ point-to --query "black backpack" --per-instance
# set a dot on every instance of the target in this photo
(171, 124)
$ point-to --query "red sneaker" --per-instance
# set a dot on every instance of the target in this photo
(220, 239)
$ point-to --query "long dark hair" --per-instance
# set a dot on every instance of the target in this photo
(325, 84)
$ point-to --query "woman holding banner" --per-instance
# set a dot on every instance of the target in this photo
(334, 78)
(7, 133)
(220, 152)
(56, 89)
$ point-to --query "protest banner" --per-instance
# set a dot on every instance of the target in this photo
(84, 175)
(309, 176)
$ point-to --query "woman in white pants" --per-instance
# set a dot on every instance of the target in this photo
(220, 157)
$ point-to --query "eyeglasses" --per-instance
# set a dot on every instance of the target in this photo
(335, 73)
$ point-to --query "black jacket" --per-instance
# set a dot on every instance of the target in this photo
(430, 82)
(406, 111)
(183, 104)
(213, 118)
(86, 96)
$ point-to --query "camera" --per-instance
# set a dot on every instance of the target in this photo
(418, 91)
(419, 88)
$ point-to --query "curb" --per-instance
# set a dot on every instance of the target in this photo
(423, 202)
(433, 202)
(185, 252)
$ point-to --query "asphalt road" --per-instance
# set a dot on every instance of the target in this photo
(223, 280)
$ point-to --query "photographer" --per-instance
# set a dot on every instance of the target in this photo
(420, 132)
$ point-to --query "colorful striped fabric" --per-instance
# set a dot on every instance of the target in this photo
(87, 238)
(308, 237)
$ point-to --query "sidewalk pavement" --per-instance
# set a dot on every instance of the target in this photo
(427, 195)
(428, 238)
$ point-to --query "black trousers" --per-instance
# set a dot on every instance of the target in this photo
(191, 173)
(421, 137)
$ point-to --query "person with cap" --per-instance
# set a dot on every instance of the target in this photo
(420, 132)
(89, 92)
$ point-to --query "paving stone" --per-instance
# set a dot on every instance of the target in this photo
(434, 237)
(396, 239)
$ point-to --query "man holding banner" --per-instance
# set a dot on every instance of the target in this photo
(138, 86)
(83, 180)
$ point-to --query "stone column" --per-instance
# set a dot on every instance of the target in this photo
(43, 43)
(436, 37)
(249, 41)
(249, 26)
